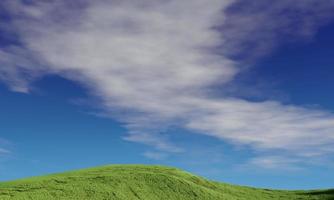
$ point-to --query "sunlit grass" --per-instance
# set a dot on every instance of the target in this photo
(129, 182)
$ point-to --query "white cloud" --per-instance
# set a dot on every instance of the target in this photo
(275, 163)
(153, 65)
(13, 61)
(267, 125)
(157, 140)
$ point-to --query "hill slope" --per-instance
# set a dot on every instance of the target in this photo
(129, 182)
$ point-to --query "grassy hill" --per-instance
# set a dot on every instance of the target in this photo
(130, 182)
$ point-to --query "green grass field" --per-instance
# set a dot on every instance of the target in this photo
(129, 182)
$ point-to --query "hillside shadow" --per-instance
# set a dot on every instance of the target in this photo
(327, 194)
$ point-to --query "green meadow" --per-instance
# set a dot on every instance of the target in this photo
(140, 182)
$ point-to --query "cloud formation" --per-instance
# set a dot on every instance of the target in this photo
(3, 149)
(154, 64)
(255, 28)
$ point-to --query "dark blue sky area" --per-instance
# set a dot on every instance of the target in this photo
(303, 71)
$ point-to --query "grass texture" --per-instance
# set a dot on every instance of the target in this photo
(140, 182)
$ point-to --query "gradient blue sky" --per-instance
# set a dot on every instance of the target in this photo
(61, 111)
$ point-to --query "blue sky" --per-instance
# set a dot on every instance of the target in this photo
(241, 92)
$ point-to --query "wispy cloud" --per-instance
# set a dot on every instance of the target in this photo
(255, 28)
(288, 162)
(4, 151)
(275, 163)
(155, 155)
(152, 64)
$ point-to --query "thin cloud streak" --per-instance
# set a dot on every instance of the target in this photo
(254, 28)
(153, 68)
(4, 151)
(155, 155)
(4, 147)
